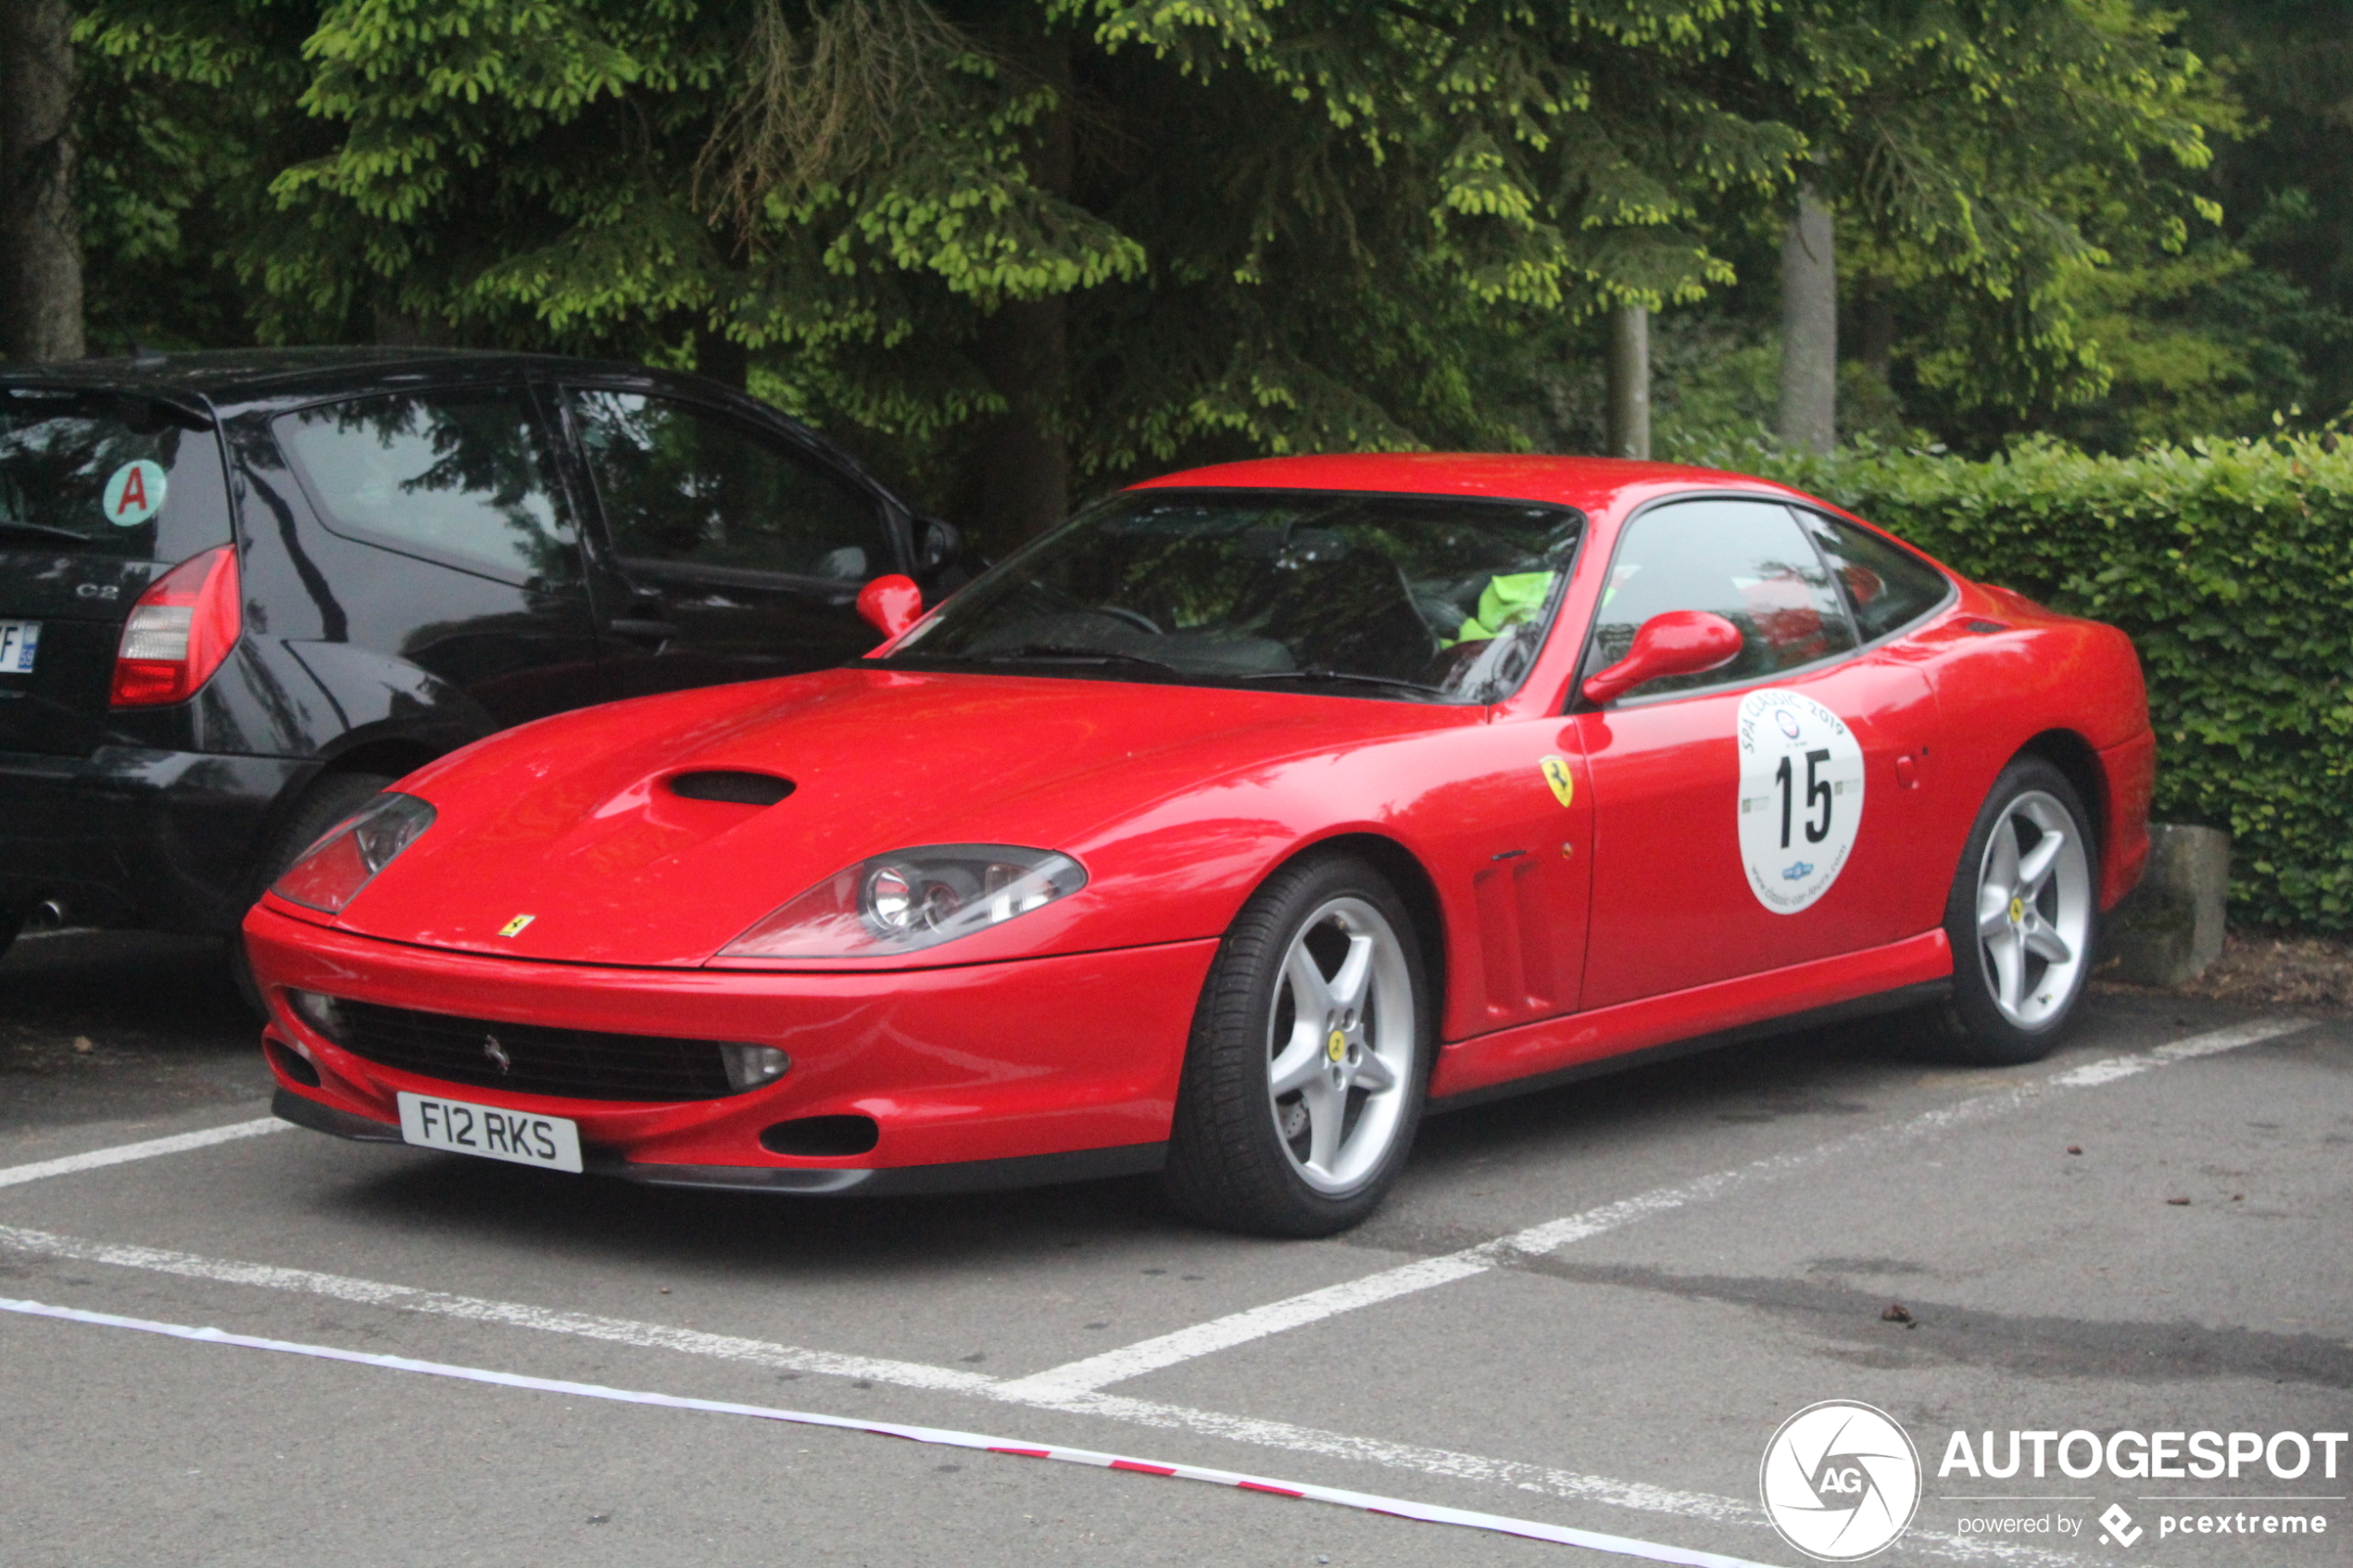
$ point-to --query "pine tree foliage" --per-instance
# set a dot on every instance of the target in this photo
(1271, 225)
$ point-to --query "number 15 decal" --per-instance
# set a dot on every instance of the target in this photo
(1817, 788)
(1800, 797)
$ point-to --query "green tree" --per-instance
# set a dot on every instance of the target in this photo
(1012, 251)
(1100, 236)
(1994, 162)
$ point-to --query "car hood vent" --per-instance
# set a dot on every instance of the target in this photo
(733, 785)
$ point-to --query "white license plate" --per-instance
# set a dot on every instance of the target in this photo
(491, 1132)
(17, 639)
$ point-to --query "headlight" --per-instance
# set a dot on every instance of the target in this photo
(332, 871)
(911, 899)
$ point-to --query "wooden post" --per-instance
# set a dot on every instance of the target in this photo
(1629, 381)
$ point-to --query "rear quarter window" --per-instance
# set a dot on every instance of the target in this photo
(115, 475)
(459, 476)
(1888, 587)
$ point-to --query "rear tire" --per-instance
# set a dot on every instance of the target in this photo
(1309, 1061)
(329, 800)
(2023, 920)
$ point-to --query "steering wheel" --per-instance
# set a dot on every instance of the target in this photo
(1134, 618)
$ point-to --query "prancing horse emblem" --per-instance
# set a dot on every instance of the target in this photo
(498, 1053)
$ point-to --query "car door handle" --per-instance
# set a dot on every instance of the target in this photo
(653, 629)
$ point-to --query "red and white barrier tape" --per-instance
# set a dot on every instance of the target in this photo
(1428, 1513)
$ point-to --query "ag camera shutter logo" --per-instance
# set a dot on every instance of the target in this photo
(1840, 1481)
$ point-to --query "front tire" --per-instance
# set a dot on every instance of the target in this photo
(2023, 919)
(1309, 1061)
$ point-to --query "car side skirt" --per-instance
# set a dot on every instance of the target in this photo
(1535, 1055)
(1899, 1000)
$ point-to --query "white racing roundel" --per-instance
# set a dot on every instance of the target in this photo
(1800, 797)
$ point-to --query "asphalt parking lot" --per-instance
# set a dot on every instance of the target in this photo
(1585, 1312)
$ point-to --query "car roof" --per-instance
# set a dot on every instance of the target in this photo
(1595, 485)
(239, 374)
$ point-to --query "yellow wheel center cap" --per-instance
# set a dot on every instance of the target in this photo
(1337, 1046)
(2017, 912)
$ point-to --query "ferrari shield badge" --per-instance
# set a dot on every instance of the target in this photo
(514, 927)
(1556, 773)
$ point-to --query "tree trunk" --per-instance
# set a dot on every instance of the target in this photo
(1019, 477)
(1016, 481)
(1629, 381)
(723, 359)
(1875, 328)
(39, 231)
(401, 329)
(1809, 418)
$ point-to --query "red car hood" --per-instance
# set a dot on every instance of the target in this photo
(571, 820)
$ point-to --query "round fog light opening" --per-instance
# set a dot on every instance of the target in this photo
(319, 1010)
(749, 1067)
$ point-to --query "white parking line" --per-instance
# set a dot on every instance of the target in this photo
(122, 1154)
(1074, 1388)
(904, 1375)
(513, 1314)
(1424, 1273)
(1450, 1465)
(1430, 1513)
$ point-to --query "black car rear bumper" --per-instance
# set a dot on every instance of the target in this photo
(130, 837)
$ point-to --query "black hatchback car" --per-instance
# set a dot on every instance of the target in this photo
(241, 591)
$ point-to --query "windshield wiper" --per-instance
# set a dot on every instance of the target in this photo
(1326, 673)
(10, 525)
(1062, 653)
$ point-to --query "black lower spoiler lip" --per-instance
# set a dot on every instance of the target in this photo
(893, 1181)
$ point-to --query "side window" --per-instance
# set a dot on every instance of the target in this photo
(691, 486)
(1747, 562)
(454, 475)
(1889, 586)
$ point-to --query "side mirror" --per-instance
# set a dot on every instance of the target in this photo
(891, 604)
(937, 541)
(1682, 642)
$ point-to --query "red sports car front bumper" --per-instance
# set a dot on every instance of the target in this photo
(979, 1075)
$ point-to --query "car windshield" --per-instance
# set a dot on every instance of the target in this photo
(1418, 598)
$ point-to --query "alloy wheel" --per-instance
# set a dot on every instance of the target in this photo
(1342, 1040)
(2034, 909)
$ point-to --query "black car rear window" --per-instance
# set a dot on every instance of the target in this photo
(108, 474)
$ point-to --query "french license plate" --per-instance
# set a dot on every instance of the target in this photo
(491, 1132)
(17, 639)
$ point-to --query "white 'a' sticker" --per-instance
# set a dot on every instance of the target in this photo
(133, 493)
(1800, 797)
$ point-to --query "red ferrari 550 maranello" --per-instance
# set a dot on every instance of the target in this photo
(1226, 831)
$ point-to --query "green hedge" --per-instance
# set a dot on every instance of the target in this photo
(2231, 565)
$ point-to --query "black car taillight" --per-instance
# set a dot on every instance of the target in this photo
(178, 631)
